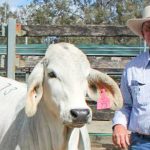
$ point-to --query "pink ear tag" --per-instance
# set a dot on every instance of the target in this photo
(103, 102)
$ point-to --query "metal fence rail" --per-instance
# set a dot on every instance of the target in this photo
(88, 49)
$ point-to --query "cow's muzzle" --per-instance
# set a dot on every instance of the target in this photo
(80, 116)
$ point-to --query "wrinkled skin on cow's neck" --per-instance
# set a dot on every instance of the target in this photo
(41, 132)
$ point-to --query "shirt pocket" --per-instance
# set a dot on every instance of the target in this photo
(140, 94)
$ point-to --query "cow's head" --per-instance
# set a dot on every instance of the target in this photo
(62, 79)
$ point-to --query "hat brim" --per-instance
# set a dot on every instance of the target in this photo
(135, 25)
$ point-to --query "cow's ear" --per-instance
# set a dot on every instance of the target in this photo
(97, 81)
(35, 89)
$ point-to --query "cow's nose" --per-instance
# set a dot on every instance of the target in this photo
(80, 115)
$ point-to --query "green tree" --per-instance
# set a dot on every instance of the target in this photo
(5, 12)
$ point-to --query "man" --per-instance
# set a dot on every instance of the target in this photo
(135, 86)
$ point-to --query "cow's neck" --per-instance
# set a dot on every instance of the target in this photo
(49, 129)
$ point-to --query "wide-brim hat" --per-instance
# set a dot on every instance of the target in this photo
(135, 25)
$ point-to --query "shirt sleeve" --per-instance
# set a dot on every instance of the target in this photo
(122, 116)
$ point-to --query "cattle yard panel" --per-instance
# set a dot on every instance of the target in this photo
(85, 31)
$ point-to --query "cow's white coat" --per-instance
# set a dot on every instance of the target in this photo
(37, 117)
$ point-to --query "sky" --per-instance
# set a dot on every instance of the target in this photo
(14, 4)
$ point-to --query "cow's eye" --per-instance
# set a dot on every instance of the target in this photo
(52, 74)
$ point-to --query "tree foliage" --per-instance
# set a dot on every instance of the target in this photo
(80, 12)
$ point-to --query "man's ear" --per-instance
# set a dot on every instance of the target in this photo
(35, 89)
(97, 81)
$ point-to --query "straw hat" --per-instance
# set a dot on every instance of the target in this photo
(135, 24)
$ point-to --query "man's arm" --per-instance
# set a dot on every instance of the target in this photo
(121, 118)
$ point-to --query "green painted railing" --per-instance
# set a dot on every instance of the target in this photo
(88, 49)
(100, 134)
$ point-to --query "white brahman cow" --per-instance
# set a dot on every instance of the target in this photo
(50, 113)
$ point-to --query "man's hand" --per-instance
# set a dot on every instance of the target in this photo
(120, 136)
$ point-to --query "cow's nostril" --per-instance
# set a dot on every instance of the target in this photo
(80, 115)
(74, 113)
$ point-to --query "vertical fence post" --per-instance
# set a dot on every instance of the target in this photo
(11, 48)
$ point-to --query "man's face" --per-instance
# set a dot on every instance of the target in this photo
(146, 32)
